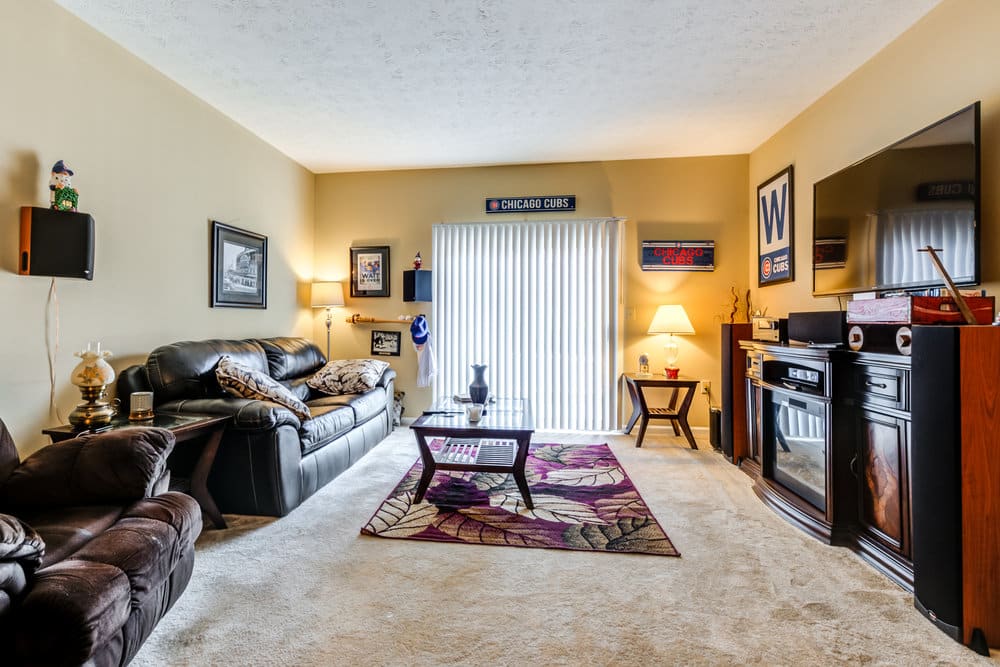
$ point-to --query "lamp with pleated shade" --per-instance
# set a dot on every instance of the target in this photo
(671, 319)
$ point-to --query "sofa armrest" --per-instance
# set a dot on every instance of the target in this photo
(388, 375)
(115, 467)
(248, 414)
(82, 603)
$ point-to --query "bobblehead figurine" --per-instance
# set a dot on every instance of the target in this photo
(62, 195)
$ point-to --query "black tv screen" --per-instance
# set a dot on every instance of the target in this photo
(870, 219)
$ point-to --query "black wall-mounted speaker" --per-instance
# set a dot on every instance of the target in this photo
(56, 243)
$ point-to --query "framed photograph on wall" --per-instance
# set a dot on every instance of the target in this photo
(775, 228)
(386, 343)
(370, 271)
(239, 268)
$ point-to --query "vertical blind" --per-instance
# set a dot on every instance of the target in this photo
(538, 303)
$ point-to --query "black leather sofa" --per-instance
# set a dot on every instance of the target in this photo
(268, 461)
(91, 555)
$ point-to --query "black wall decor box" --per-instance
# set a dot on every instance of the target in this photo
(417, 285)
(56, 243)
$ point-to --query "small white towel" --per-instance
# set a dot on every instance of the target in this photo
(426, 362)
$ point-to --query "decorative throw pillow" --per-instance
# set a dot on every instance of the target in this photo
(244, 382)
(348, 376)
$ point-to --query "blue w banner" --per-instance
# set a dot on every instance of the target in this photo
(775, 224)
(776, 220)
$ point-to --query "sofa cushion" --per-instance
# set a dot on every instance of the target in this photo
(348, 376)
(289, 358)
(244, 382)
(328, 422)
(365, 406)
(299, 388)
(66, 530)
(187, 369)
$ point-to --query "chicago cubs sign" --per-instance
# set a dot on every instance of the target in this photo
(541, 204)
(678, 255)
(775, 224)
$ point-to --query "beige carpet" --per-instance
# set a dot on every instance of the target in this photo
(750, 589)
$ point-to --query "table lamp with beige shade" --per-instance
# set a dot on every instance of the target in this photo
(671, 319)
(327, 295)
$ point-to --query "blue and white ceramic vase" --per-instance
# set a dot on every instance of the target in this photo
(479, 390)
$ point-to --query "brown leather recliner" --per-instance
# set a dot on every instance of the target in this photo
(90, 558)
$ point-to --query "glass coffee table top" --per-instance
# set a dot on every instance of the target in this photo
(501, 413)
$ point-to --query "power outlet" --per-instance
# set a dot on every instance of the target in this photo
(706, 388)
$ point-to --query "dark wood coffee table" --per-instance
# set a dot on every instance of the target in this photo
(496, 443)
(185, 428)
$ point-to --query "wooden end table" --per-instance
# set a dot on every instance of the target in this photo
(674, 413)
(185, 428)
(496, 443)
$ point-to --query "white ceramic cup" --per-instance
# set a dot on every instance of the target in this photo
(474, 412)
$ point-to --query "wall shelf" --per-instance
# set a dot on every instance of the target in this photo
(365, 319)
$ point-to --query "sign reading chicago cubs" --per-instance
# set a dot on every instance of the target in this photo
(678, 255)
(544, 203)
(775, 224)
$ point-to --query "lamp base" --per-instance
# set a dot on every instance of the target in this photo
(94, 411)
(672, 372)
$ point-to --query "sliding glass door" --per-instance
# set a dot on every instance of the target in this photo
(538, 303)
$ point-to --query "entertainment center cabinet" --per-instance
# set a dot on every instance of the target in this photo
(894, 457)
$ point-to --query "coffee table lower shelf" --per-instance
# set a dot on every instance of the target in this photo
(478, 455)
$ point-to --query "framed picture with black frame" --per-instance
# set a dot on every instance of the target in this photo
(775, 229)
(239, 268)
(370, 271)
(386, 343)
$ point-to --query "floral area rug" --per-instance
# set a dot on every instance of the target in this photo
(583, 500)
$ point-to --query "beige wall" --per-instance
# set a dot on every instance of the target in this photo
(690, 198)
(152, 165)
(945, 62)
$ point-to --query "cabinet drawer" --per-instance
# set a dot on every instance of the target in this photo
(882, 385)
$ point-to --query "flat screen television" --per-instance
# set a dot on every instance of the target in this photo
(870, 219)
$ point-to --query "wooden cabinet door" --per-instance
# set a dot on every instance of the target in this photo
(881, 466)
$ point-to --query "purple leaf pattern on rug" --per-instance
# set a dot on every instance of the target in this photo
(547, 508)
(638, 534)
(622, 506)
(603, 476)
(583, 498)
(486, 525)
(399, 517)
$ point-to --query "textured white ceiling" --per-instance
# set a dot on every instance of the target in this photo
(345, 85)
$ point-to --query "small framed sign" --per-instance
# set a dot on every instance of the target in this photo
(540, 204)
(775, 225)
(386, 343)
(678, 255)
